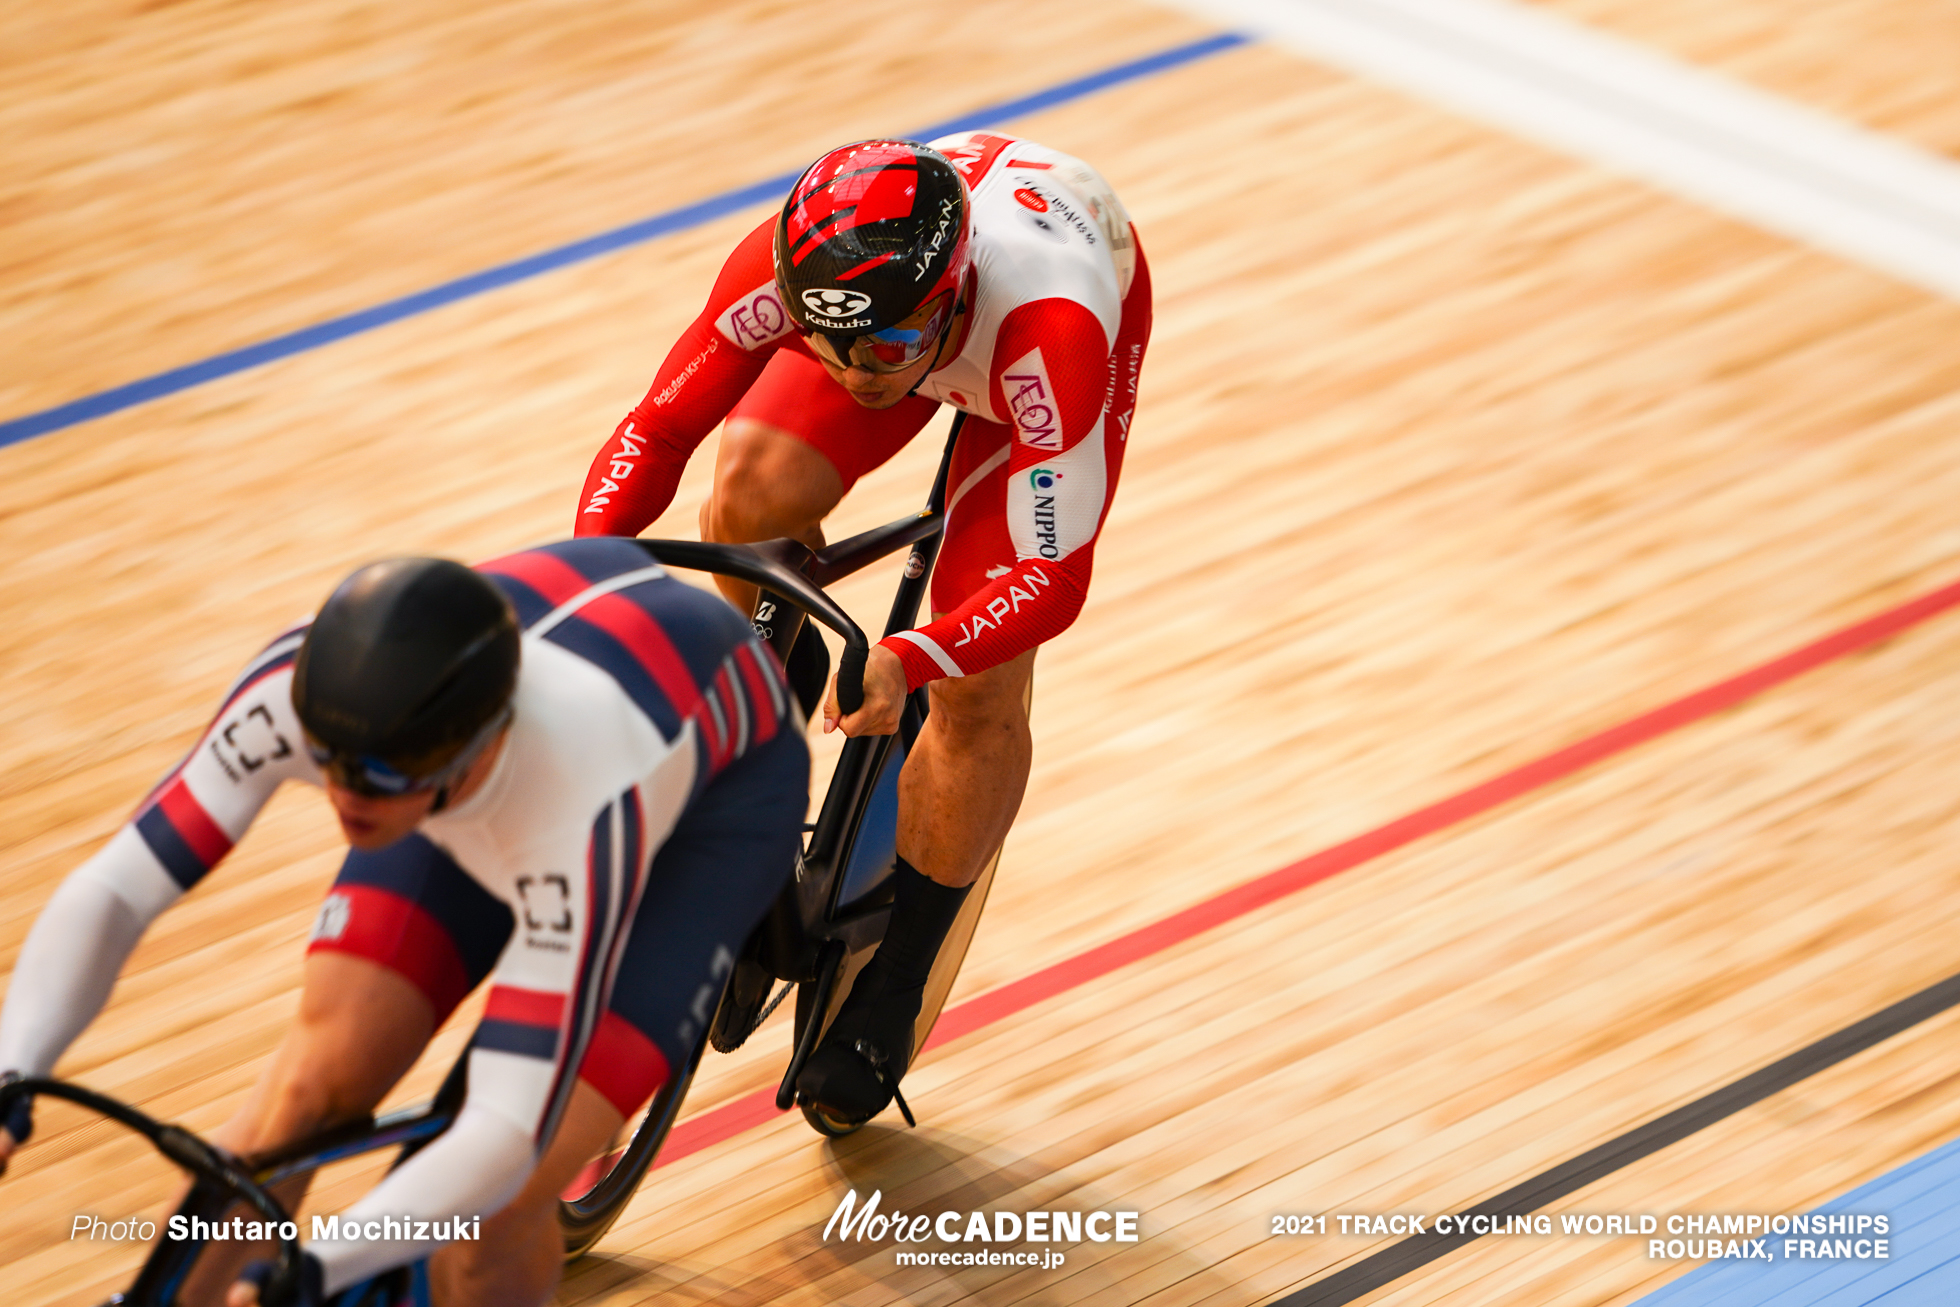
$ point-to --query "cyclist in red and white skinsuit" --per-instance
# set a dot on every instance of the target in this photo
(1008, 285)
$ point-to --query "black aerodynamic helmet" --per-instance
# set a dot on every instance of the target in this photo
(872, 233)
(405, 674)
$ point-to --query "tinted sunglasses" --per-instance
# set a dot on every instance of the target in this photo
(895, 348)
(378, 778)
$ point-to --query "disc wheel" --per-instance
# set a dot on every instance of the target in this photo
(945, 968)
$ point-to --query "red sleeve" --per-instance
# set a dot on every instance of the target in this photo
(632, 480)
(1051, 374)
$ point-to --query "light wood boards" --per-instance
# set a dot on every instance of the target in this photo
(193, 177)
(1886, 64)
(1449, 452)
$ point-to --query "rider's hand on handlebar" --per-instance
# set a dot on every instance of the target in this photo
(884, 697)
(252, 1286)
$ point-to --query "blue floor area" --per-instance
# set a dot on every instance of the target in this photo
(1922, 1200)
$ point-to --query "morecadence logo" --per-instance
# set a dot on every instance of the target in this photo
(988, 1237)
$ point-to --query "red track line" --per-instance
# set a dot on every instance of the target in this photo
(731, 1119)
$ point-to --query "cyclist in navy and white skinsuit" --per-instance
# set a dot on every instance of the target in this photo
(600, 860)
(985, 272)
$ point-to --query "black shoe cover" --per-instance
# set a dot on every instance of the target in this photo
(852, 1074)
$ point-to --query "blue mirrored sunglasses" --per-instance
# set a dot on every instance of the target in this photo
(892, 350)
(377, 778)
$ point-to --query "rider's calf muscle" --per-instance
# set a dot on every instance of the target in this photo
(962, 784)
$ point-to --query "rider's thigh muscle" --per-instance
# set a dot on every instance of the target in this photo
(769, 483)
(795, 396)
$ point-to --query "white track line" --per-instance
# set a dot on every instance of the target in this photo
(1794, 171)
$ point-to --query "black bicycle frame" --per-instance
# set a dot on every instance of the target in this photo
(820, 879)
(788, 575)
(811, 929)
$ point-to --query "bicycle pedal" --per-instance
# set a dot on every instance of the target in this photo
(881, 1067)
(903, 1109)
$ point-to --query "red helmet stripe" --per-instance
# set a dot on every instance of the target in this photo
(880, 186)
(813, 211)
(866, 266)
(888, 194)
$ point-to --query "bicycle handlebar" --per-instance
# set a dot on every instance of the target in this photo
(776, 565)
(204, 1161)
(796, 573)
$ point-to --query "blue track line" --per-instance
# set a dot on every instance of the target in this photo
(117, 398)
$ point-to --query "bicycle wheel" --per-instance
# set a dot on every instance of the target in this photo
(939, 983)
(584, 1220)
(945, 968)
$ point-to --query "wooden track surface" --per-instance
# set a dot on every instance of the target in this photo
(1886, 64)
(1449, 453)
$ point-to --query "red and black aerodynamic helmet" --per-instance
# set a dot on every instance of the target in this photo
(872, 233)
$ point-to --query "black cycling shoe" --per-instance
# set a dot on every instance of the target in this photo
(854, 1073)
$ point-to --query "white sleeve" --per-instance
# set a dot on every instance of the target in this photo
(473, 1169)
(184, 828)
(73, 954)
